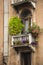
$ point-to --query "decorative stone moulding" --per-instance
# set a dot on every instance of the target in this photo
(16, 3)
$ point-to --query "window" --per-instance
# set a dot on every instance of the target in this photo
(26, 23)
(26, 17)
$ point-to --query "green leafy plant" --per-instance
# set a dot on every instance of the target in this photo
(35, 30)
(15, 25)
(18, 42)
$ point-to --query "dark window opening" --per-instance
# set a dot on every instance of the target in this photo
(25, 58)
(25, 13)
(26, 17)
(27, 24)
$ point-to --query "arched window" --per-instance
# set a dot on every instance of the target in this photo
(25, 13)
(26, 17)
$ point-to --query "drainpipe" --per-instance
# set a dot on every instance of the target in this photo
(5, 29)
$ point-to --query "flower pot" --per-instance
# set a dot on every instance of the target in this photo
(35, 35)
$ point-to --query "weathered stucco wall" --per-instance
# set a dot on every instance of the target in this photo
(12, 11)
(39, 20)
(38, 56)
(1, 32)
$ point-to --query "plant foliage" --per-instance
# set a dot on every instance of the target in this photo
(34, 29)
(15, 25)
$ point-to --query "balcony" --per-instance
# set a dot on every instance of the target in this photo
(23, 39)
(23, 43)
(19, 2)
(20, 40)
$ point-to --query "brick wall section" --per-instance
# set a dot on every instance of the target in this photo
(1, 31)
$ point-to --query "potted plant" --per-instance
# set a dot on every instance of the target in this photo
(18, 42)
(15, 25)
(34, 30)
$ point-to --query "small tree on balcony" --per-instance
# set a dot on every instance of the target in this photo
(15, 26)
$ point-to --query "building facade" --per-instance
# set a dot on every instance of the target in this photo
(34, 9)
